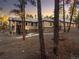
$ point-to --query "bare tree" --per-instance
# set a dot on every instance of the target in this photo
(64, 15)
(71, 17)
(22, 9)
(63, 7)
(41, 37)
(21, 12)
(56, 29)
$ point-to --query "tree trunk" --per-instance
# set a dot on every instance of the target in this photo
(78, 25)
(23, 18)
(64, 17)
(56, 29)
(71, 17)
(41, 37)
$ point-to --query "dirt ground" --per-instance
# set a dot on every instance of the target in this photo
(30, 48)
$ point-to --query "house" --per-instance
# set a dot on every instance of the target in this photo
(31, 25)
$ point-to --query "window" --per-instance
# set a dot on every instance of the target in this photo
(31, 23)
(26, 23)
(50, 23)
(35, 24)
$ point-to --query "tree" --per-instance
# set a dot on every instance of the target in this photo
(62, 9)
(46, 16)
(77, 20)
(74, 11)
(62, 6)
(22, 9)
(64, 16)
(41, 37)
(21, 12)
(56, 29)
(29, 16)
(71, 16)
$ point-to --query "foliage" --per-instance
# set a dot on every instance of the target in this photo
(18, 11)
(48, 17)
(77, 18)
(72, 14)
(66, 1)
(29, 16)
(74, 10)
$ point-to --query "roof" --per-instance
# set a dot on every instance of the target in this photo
(66, 20)
(35, 20)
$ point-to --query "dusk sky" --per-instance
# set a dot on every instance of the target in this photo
(47, 7)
